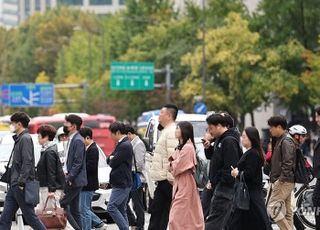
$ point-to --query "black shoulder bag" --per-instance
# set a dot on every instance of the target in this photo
(242, 197)
(5, 177)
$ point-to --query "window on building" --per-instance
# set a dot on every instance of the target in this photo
(70, 2)
(100, 2)
(121, 2)
(10, 1)
(38, 5)
(27, 8)
(48, 4)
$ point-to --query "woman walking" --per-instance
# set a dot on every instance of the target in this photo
(250, 164)
(186, 211)
(49, 169)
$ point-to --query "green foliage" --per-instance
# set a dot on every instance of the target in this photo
(280, 21)
(236, 82)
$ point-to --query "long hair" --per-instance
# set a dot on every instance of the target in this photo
(186, 129)
(254, 137)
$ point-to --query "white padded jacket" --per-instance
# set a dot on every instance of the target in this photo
(164, 149)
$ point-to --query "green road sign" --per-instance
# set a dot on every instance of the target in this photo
(132, 76)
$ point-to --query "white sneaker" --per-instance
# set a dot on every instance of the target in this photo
(103, 227)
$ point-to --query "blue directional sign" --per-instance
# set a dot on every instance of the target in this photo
(28, 95)
(200, 108)
(5, 94)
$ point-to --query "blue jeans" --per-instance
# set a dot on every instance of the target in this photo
(88, 218)
(14, 200)
(117, 207)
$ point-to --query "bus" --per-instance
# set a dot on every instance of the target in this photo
(98, 123)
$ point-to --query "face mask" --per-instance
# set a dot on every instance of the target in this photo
(66, 130)
(64, 144)
(12, 128)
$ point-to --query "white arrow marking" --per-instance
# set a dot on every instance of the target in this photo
(33, 97)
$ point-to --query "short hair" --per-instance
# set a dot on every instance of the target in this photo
(47, 131)
(278, 120)
(317, 109)
(86, 132)
(130, 129)
(172, 109)
(228, 118)
(222, 119)
(117, 126)
(74, 120)
(21, 117)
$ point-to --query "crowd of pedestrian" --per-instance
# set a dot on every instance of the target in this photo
(69, 177)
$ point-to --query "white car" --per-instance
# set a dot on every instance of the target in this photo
(151, 137)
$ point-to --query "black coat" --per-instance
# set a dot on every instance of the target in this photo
(316, 159)
(92, 160)
(226, 153)
(49, 170)
(121, 164)
(251, 164)
(23, 163)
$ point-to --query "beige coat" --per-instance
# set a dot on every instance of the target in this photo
(186, 210)
(163, 150)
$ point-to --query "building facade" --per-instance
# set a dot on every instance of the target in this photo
(14, 12)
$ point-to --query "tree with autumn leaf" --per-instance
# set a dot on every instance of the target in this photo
(236, 80)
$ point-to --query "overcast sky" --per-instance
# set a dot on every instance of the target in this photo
(252, 4)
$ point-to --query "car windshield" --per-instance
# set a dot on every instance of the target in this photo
(199, 128)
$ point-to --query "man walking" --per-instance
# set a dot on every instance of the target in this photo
(226, 155)
(283, 163)
(120, 176)
(159, 169)
(139, 151)
(75, 170)
(89, 219)
(22, 169)
(316, 171)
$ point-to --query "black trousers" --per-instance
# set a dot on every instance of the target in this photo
(206, 196)
(161, 206)
(221, 209)
(254, 218)
(70, 203)
(316, 203)
(138, 207)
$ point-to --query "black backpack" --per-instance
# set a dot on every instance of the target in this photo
(201, 174)
(303, 173)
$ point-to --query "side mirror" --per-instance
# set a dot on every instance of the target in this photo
(149, 146)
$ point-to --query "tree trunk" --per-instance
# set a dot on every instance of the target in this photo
(252, 119)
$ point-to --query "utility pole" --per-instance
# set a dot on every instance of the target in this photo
(85, 83)
(168, 83)
(204, 62)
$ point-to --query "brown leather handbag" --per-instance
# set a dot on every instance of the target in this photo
(54, 217)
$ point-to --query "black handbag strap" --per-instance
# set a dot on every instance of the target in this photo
(242, 178)
(10, 158)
